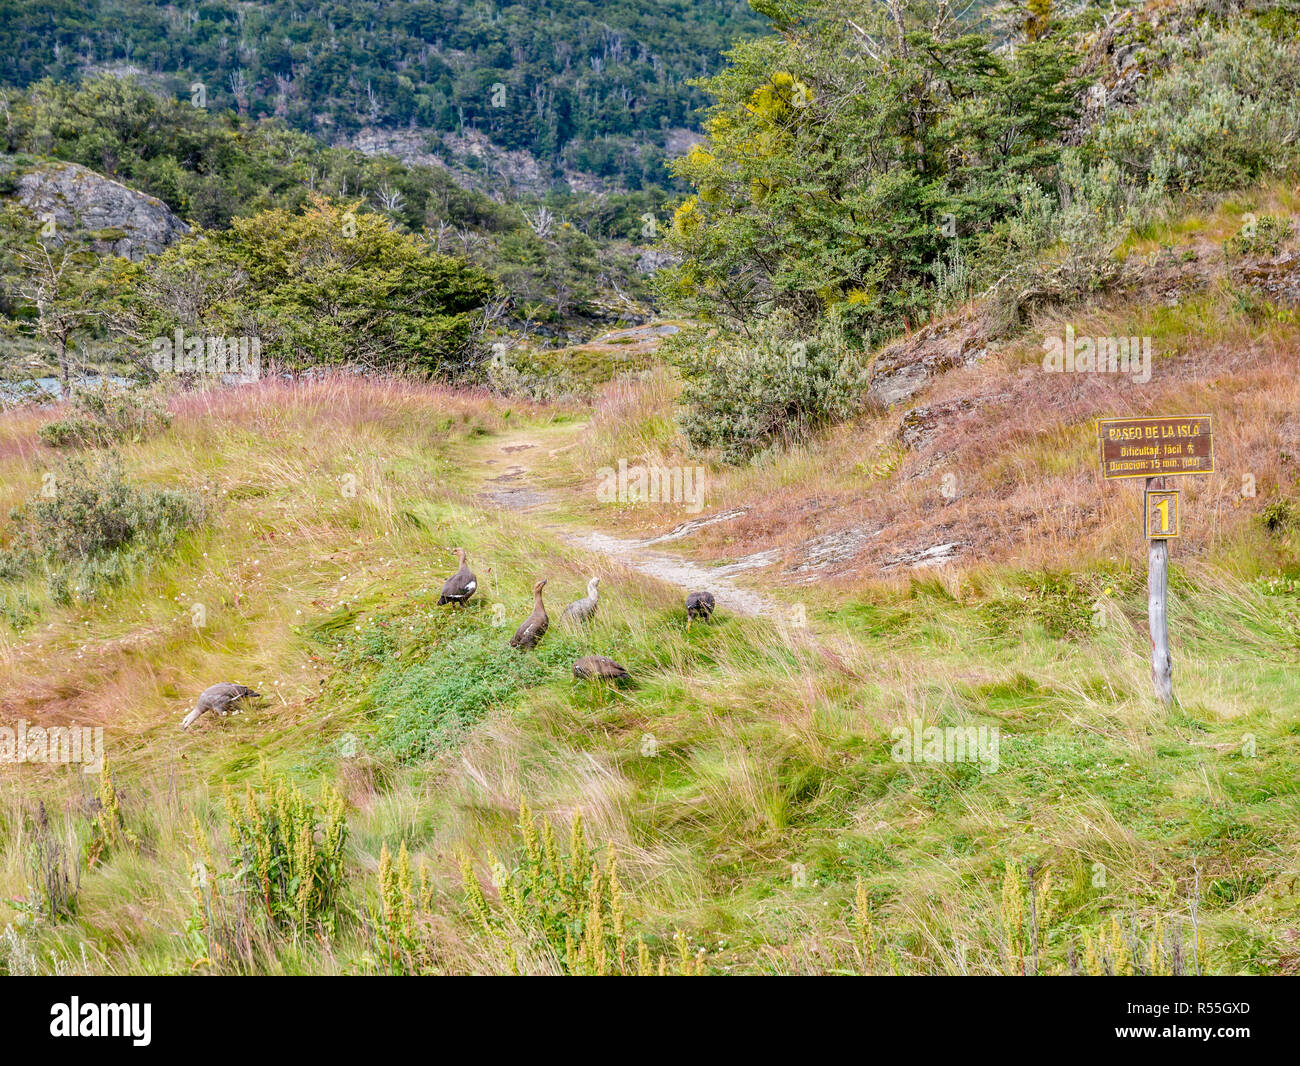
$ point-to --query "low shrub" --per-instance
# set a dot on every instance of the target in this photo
(565, 910)
(107, 416)
(1280, 515)
(91, 527)
(742, 394)
(289, 854)
(1262, 236)
(1225, 114)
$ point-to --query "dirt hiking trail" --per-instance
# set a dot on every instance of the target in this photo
(508, 468)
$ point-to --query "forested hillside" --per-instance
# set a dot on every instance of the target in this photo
(594, 84)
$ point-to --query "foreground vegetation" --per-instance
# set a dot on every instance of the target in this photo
(737, 810)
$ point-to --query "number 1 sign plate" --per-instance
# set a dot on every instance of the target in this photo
(1162, 514)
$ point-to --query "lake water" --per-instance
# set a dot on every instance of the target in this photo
(51, 388)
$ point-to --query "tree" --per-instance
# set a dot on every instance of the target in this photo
(847, 152)
(51, 273)
(329, 285)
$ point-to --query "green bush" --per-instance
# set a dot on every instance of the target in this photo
(107, 416)
(562, 908)
(91, 528)
(18, 610)
(88, 510)
(1225, 113)
(289, 854)
(1263, 236)
(1280, 515)
(742, 394)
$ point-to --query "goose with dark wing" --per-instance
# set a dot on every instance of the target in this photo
(698, 605)
(461, 585)
(528, 634)
(599, 668)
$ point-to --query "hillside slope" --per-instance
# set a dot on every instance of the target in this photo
(750, 780)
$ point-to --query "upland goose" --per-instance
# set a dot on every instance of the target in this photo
(698, 605)
(461, 585)
(598, 667)
(528, 634)
(583, 610)
(220, 699)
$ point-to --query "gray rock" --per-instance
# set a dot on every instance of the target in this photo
(1276, 279)
(919, 558)
(901, 370)
(120, 220)
(922, 425)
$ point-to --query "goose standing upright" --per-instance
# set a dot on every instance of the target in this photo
(528, 634)
(583, 610)
(699, 605)
(220, 698)
(461, 585)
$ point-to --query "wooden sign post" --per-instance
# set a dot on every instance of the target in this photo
(1162, 666)
(1155, 448)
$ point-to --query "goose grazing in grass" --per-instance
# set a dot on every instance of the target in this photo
(598, 668)
(528, 634)
(583, 610)
(698, 605)
(461, 585)
(220, 699)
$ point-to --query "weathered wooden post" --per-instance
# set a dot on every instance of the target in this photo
(1154, 448)
(1162, 667)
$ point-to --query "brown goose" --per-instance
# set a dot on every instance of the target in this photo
(528, 634)
(699, 605)
(220, 699)
(461, 585)
(598, 668)
(583, 610)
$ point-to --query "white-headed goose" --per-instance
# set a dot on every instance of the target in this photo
(583, 610)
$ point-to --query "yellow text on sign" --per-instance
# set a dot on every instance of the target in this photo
(1163, 514)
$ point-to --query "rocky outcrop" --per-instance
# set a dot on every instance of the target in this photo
(902, 369)
(1276, 279)
(922, 425)
(650, 260)
(120, 221)
(471, 158)
(1114, 65)
(409, 145)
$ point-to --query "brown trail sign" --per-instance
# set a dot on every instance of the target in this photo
(1155, 448)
